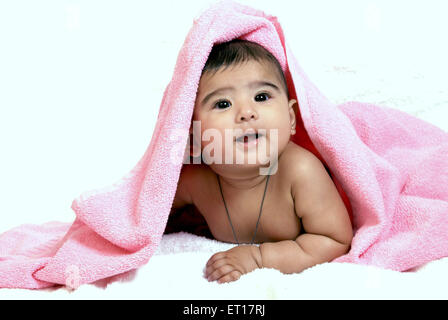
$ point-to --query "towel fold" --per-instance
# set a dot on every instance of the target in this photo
(390, 168)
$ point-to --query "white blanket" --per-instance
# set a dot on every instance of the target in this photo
(176, 272)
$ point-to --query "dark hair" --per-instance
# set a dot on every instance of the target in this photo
(237, 51)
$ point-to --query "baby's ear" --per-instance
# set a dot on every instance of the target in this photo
(292, 102)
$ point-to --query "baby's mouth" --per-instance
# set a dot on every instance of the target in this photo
(246, 138)
(249, 140)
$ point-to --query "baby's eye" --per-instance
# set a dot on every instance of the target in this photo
(222, 104)
(264, 96)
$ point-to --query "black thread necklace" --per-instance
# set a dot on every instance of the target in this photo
(259, 215)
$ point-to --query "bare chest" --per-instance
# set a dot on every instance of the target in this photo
(278, 220)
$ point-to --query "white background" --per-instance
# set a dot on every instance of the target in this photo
(81, 82)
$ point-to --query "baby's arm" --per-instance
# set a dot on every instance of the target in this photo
(328, 230)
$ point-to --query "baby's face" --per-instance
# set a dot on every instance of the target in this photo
(244, 96)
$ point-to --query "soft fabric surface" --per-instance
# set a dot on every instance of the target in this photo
(324, 281)
(380, 186)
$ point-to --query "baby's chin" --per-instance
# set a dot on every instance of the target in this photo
(241, 157)
(243, 169)
(237, 158)
(242, 166)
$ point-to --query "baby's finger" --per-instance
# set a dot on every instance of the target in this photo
(219, 272)
(214, 265)
(232, 276)
(215, 257)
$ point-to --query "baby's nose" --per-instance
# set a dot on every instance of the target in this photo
(252, 116)
(248, 114)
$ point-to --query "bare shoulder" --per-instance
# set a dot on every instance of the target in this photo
(191, 178)
(184, 185)
(298, 164)
(297, 152)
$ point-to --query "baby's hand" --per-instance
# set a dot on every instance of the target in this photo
(227, 266)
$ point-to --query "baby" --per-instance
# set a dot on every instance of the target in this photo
(289, 216)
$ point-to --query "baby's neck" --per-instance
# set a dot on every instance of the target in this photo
(241, 179)
(242, 183)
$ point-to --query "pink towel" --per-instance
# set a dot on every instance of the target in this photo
(392, 167)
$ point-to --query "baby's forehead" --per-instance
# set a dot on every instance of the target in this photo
(265, 68)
